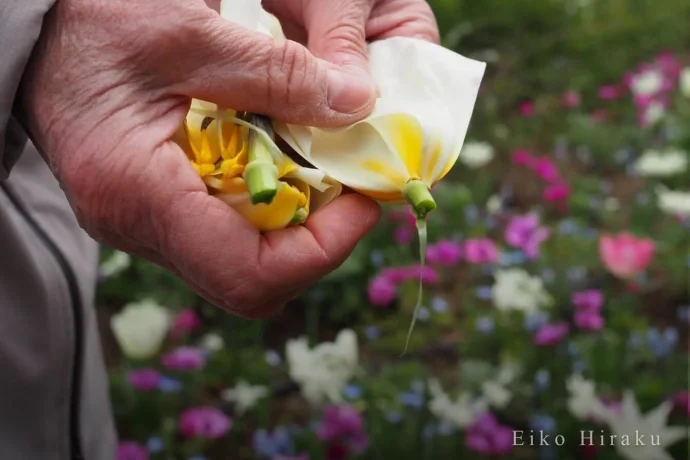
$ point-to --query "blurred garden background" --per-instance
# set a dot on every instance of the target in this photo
(556, 292)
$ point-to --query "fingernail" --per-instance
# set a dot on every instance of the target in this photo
(349, 93)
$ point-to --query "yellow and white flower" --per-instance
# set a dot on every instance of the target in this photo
(415, 133)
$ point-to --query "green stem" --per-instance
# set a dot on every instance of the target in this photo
(261, 174)
(418, 195)
(300, 216)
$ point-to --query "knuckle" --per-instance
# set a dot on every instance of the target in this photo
(288, 68)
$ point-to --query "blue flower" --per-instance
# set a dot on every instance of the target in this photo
(483, 292)
(169, 384)
(635, 340)
(411, 399)
(579, 366)
(662, 343)
(471, 213)
(372, 332)
(394, 416)
(155, 444)
(573, 350)
(439, 304)
(423, 314)
(567, 227)
(683, 313)
(445, 429)
(512, 258)
(548, 275)
(272, 358)
(485, 324)
(535, 321)
(642, 198)
(623, 156)
(352, 391)
(576, 274)
(543, 422)
(547, 453)
(542, 379)
(269, 445)
(429, 431)
(417, 386)
(376, 257)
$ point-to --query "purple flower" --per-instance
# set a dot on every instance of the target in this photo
(184, 322)
(590, 300)
(381, 291)
(546, 169)
(551, 334)
(204, 422)
(524, 232)
(144, 379)
(183, 359)
(589, 320)
(270, 445)
(343, 426)
(488, 437)
(129, 450)
(403, 235)
(480, 251)
(445, 252)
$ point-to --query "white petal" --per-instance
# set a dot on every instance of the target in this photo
(246, 13)
(324, 188)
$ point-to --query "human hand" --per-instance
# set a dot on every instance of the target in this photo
(110, 83)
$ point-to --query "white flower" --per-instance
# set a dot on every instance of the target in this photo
(674, 202)
(515, 289)
(476, 154)
(140, 328)
(662, 163)
(323, 372)
(460, 413)
(655, 111)
(629, 423)
(244, 395)
(647, 83)
(612, 204)
(494, 204)
(583, 401)
(684, 82)
(115, 264)
(416, 130)
(496, 394)
(212, 342)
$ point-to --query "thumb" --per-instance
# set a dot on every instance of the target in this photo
(225, 63)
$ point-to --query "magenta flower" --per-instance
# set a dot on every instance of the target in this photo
(522, 158)
(488, 437)
(411, 272)
(204, 422)
(381, 291)
(682, 401)
(480, 251)
(526, 109)
(130, 450)
(589, 320)
(571, 99)
(546, 169)
(551, 334)
(524, 232)
(557, 193)
(610, 92)
(625, 255)
(184, 322)
(343, 426)
(589, 300)
(445, 252)
(403, 235)
(184, 359)
(144, 379)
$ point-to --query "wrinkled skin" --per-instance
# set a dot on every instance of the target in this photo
(111, 81)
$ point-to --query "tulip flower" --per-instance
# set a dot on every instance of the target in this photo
(414, 135)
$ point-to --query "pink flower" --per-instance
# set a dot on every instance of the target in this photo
(480, 251)
(184, 322)
(144, 379)
(130, 450)
(343, 426)
(184, 359)
(551, 334)
(204, 422)
(610, 92)
(557, 193)
(445, 252)
(524, 232)
(381, 291)
(625, 255)
(589, 300)
(526, 109)
(403, 234)
(571, 99)
(546, 169)
(488, 437)
(522, 158)
(411, 272)
(589, 320)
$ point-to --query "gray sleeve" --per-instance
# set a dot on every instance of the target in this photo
(20, 26)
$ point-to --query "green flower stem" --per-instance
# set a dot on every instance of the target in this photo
(418, 195)
(261, 174)
(300, 216)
